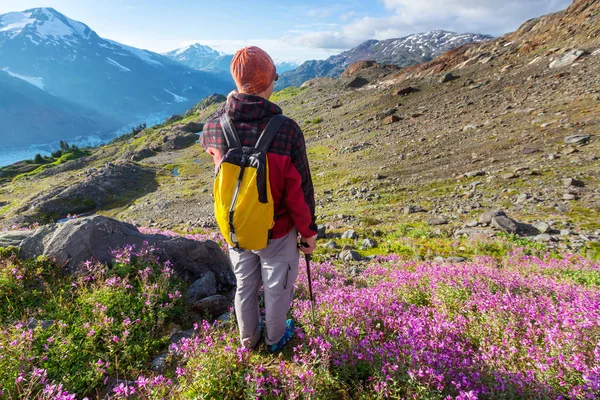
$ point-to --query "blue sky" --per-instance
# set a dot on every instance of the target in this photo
(289, 30)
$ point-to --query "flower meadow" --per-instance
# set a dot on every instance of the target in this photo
(514, 327)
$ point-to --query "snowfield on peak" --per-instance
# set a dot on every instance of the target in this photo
(14, 22)
(45, 24)
(144, 55)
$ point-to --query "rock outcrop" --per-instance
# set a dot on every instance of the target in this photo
(93, 238)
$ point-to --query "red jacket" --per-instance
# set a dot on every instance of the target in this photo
(289, 172)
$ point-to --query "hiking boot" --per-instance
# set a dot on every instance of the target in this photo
(287, 336)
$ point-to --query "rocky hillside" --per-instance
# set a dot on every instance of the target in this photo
(510, 124)
(413, 49)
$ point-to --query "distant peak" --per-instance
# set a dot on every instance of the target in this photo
(45, 23)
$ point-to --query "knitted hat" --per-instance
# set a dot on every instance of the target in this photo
(253, 70)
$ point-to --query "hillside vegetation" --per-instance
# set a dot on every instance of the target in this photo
(459, 209)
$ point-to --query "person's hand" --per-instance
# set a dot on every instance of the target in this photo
(308, 245)
(231, 94)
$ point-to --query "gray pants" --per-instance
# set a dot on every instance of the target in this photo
(277, 267)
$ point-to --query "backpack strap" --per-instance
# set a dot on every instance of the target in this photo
(266, 138)
(231, 136)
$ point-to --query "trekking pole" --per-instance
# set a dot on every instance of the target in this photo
(308, 258)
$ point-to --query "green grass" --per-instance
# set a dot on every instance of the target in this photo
(70, 156)
(286, 94)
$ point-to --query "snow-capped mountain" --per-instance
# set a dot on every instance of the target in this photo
(403, 52)
(201, 57)
(205, 58)
(68, 60)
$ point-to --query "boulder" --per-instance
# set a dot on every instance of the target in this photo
(180, 140)
(412, 210)
(368, 244)
(331, 245)
(350, 234)
(78, 240)
(193, 127)
(214, 306)
(391, 119)
(505, 224)
(321, 231)
(142, 154)
(571, 182)
(543, 238)
(203, 287)
(349, 255)
(486, 218)
(577, 140)
(542, 227)
(449, 77)
(567, 59)
(405, 91)
(436, 221)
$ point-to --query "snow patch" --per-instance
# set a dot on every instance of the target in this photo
(116, 64)
(144, 55)
(15, 22)
(178, 99)
(38, 82)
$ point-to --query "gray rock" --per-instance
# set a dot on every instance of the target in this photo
(565, 232)
(543, 227)
(577, 140)
(522, 198)
(78, 240)
(439, 259)
(456, 260)
(349, 255)
(368, 244)
(177, 336)
(449, 77)
(436, 221)
(159, 363)
(213, 305)
(573, 182)
(505, 224)
(331, 245)
(473, 174)
(486, 218)
(569, 196)
(472, 224)
(350, 234)
(543, 238)
(225, 317)
(180, 140)
(203, 287)
(412, 210)
(567, 59)
(321, 232)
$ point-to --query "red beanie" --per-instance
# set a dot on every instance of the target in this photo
(253, 70)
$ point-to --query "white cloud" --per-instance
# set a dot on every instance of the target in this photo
(406, 17)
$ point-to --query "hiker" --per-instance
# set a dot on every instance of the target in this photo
(276, 265)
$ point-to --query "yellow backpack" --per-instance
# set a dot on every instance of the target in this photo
(243, 202)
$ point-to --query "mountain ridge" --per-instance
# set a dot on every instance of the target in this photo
(411, 49)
